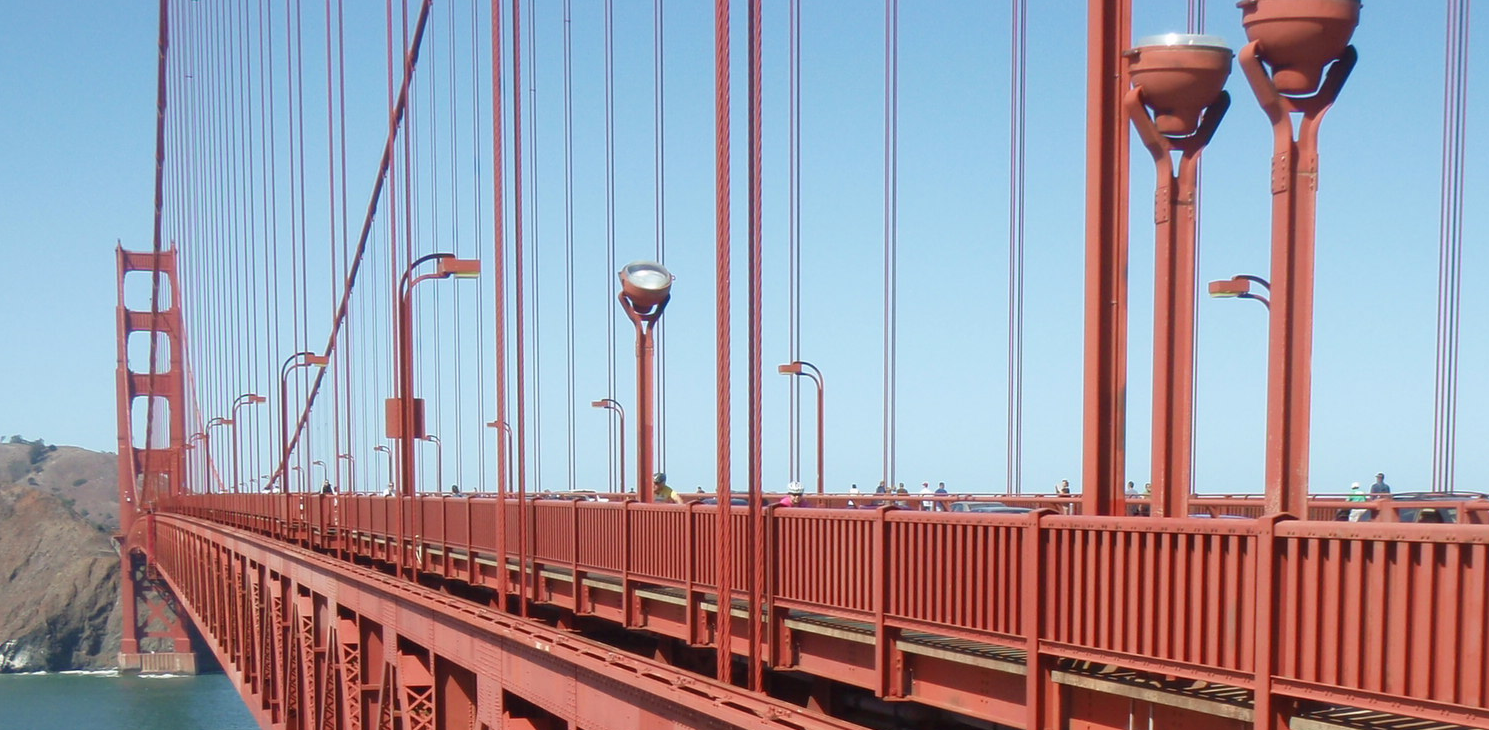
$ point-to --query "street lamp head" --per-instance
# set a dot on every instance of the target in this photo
(380, 447)
(318, 462)
(1229, 288)
(1299, 37)
(790, 368)
(646, 286)
(1180, 74)
(319, 361)
(602, 403)
(459, 268)
(256, 398)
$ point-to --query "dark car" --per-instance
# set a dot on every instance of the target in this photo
(1426, 513)
(997, 508)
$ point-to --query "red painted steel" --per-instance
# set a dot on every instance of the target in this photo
(1109, 33)
(1294, 187)
(1190, 77)
(1211, 600)
(314, 642)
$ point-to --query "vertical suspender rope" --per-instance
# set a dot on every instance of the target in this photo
(794, 233)
(756, 356)
(891, 229)
(610, 271)
(455, 222)
(1450, 247)
(479, 232)
(519, 277)
(660, 195)
(1016, 156)
(1195, 23)
(537, 347)
(499, 283)
(724, 551)
(341, 417)
(569, 237)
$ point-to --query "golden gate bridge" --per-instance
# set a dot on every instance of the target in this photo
(342, 581)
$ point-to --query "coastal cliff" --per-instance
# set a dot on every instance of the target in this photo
(59, 574)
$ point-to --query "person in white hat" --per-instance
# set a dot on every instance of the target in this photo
(793, 495)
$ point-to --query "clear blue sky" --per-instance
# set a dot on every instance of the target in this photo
(77, 175)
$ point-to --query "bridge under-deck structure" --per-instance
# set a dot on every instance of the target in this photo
(417, 609)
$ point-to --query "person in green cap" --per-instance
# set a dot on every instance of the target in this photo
(1355, 495)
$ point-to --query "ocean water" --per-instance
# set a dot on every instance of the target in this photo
(108, 701)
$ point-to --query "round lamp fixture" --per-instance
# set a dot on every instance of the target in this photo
(1298, 37)
(1180, 74)
(646, 284)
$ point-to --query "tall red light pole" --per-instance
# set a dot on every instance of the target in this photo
(388, 490)
(439, 460)
(301, 359)
(1304, 44)
(351, 470)
(503, 587)
(239, 402)
(304, 358)
(645, 289)
(410, 422)
(798, 367)
(611, 404)
(207, 442)
(191, 446)
(1180, 78)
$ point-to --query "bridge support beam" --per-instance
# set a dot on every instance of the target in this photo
(399, 655)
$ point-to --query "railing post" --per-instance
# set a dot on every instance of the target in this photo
(574, 572)
(887, 663)
(1042, 703)
(1268, 712)
(693, 603)
(625, 577)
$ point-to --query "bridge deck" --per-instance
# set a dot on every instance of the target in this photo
(1026, 575)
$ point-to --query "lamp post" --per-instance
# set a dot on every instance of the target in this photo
(1239, 287)
(389, 452)
(299, 477)
(191, 446)
(645, 289)
(610, 404)
(242, 400)
(503, 431)
(325, 472)
(207, 442)
(503, 585)
(410, 416)
(1176, 102)
(803, 368)
(410, 423)
(302, 359)
(439, 461)
(298, 360)
(351, 468)
(1306, 47)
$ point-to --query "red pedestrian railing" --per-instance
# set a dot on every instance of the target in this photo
(1378, 615)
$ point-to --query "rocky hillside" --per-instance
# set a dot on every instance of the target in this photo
(86, 480)
(59, 574)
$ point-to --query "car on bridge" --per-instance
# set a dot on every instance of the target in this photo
(1422, 511)
(997, 508)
